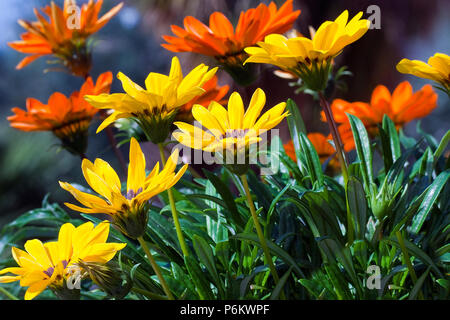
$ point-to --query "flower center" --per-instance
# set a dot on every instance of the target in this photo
(131, 194)
(50, 270)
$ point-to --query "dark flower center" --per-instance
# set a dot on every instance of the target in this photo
(50, 270)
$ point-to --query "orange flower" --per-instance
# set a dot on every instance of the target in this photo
(63, 34)
(226, 44)
(67, 117)
(324, 150)
(402, 106)
(213, 92)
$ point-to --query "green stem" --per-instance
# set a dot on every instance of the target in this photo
(336, 136)
(148, 294)
(176, 220)
(260, 233)
(407, 260)
(156, 268)
(341, 156)
(8, 294)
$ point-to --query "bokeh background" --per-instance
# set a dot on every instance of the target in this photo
(31, 163)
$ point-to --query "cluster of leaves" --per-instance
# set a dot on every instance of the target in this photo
(324, 236)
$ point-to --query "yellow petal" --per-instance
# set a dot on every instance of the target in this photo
(235, 111)
(206, 118)
(65, 241)
(37, 250)
(254, 109)
(112, 118)
(36, 289)
(136, 168)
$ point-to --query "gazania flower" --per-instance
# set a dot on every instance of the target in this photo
(402, 106)
(63, 33)
(51, 264)
(67, 117)
(213, 92)
(226, 44)
(437, 69)
(230, 132)
(155, 107)
(128, 210)
(324, 149)
(310, 59)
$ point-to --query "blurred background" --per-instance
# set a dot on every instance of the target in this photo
(31, 164)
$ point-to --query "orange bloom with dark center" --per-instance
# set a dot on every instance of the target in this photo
(213, 92)
(67, 117)
(324, 150)
(226, 44)
(402, 106)
(63, 33)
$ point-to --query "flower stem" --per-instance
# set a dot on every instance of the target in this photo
(407, 260)
(155, 268)
(336, 136)
(8, 294)
(260, 233)
(176, 221)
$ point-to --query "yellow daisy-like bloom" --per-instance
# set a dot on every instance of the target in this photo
(128, 211)
(232, 131)
(437, 69)
(310, 59)
(48, 264)
(155, 107)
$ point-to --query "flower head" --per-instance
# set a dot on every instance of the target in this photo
(230, 132)
(213, 92)
(324, 149)
(63, 33)
(310, 59)
(402, 106)
(437, 69)
(128, 210)
(226, 44)
(67, 117)
(44, 265)
(155, 107)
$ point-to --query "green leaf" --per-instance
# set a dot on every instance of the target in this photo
(205, 255)
(280, 285)
(416, 252)
(276, 250)
(394, 141)
(198, 277)
(296, 126)
(363, 149)
(312, 160)
(334, 251)
(441, 148)
(357, 204)
(390, 142)
(416, 289)
(227, 197)
(431, 195)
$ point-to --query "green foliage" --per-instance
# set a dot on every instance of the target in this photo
(323, 236)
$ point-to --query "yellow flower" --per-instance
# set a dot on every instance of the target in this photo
(45, 265)
(155, 107)
(310, 59)
(230, 131)
(129, 210)
(437, 69)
